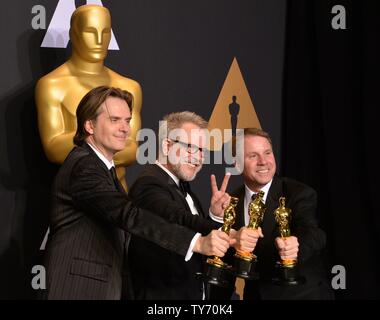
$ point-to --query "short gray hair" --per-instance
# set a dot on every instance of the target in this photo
(176, 120)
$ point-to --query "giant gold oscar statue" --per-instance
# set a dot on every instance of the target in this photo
(59, 92)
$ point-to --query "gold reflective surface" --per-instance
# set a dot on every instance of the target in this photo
(228, 221)
(58, 93)
(256, 210)
(283, 218)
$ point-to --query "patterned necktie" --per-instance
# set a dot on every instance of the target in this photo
(184, 186)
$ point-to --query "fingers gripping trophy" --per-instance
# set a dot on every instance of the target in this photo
(218, 272)
(286, 269)
(245, 262)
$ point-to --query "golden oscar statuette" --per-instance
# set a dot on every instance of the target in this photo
(59, 92)
(218, 272)
(286, 270)
(245, 262)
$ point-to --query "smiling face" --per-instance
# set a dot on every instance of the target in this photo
(185, 151)
(259, 162)
(90, 33)
(110, 130)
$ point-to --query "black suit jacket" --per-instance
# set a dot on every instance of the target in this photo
(302, 200)
(89, 224)
(158, 273)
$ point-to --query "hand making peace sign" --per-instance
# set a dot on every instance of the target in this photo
(220, 198)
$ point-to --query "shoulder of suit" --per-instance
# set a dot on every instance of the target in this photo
(152, 171)
(80, 156)
(77, 153)
(295, 185)
(150, 174)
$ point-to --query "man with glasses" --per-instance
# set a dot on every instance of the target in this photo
(92, 217)
(163, 188)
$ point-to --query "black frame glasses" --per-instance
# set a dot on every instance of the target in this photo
(190, 148)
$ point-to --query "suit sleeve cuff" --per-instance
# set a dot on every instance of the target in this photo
(190, 252)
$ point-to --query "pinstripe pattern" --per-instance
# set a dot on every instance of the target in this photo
(89, 219)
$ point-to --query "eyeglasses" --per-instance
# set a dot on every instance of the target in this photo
(190, 148)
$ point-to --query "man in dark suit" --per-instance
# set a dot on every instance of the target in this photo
(258, 164)
(163, 188)
(92, 216)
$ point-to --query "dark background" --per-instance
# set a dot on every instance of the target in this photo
(313, 89)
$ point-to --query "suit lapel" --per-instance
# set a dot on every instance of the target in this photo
(101, 164)
(174, 189)
(275, 191)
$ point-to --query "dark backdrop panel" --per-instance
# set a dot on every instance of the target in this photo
(330, 129)
(179, 51)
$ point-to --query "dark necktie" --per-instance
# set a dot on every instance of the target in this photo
(114, 177)
(184, 187)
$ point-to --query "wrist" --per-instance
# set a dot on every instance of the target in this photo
(198, 245)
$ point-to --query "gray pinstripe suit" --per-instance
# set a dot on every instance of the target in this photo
(88, 242)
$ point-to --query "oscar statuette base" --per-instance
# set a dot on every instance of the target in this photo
(244, 266)
(217, 273)
(287, 274)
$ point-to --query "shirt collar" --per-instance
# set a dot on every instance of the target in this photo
(109, 164)
(176, 180)
(249, 192)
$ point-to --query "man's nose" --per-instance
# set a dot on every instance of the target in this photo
(261, 160)
(124, 126)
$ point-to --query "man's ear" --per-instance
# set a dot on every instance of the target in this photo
(89, 127)
(165, 147)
